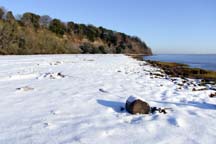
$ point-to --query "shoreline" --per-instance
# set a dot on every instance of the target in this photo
(186, 59)
(205, 78)
(197, 73)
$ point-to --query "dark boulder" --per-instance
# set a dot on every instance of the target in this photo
(137, 106)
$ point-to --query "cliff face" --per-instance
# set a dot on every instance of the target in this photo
(34, 34)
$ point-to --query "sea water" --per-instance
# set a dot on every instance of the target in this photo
(204, 61)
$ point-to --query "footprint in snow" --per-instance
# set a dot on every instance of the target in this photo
(136, 120)
(49, 125)
(41, 125)
(178, 122)
(131, 119)
(154, 117)
(55, 63)
(77, 139)
(53, 112)
(192, 113)
(173, 122)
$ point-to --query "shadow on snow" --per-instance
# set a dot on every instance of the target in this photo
(192, 103)
(115, 105)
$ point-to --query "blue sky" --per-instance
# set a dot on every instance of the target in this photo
(167, 26)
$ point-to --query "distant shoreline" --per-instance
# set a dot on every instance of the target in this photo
(184, 54)
(181, 70)
(202, 61)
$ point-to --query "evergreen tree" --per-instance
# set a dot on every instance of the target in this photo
(57, 27)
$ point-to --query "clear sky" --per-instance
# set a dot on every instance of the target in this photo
(167, 26)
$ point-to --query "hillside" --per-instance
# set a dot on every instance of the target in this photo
(34, 34)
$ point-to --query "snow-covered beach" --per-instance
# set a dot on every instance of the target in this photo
(76, 99)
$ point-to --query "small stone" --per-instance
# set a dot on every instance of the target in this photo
(26, 88)
(212, 95)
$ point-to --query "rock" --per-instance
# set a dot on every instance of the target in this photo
(212, 95)
(55, 63)
(200, 89)
(60, 75)
(184, 81)
(103, 91)
(137, 106)
(52, 75)
(25, 88)
(180, 84)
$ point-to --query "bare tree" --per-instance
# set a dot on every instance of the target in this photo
(2, 12)
(18, 17)
(45, 20)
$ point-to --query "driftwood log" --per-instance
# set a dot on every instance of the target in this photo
(137, 106)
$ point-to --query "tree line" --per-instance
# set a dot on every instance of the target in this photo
(34, 34)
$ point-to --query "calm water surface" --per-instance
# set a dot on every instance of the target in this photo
(197, 61)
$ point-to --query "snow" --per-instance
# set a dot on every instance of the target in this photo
(76, 99)
(133, 98)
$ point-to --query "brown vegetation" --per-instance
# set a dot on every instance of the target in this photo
(182, 70)
(34, 34)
